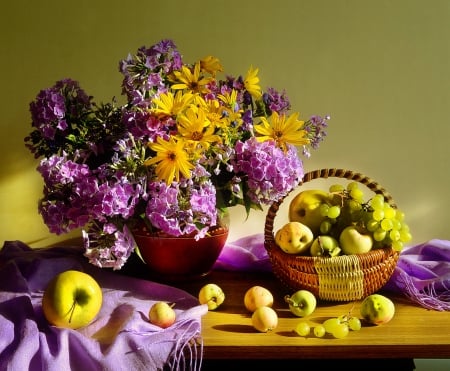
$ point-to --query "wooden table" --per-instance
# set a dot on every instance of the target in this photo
(228, 335)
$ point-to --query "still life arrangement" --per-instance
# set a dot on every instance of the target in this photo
(184, 147)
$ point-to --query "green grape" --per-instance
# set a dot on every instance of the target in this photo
(357, 194)
(323, 208)
(379, 234)
(330, 324)
(303, 329)
(340, 331)
(372, 225)
(336, 188)
(394, 235)
(377, 202)
(334, 212)
(354, 323)
(389, 212)
(396, 224)
(352, 185)
(325, 227)
(399, 215)
(378, 214)
(386, 224)
(397, 245)
(319, 331)
(405, 236)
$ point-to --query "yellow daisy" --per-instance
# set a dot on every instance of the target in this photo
(168, 104)
(251, 83)
(282, 130)
(211, 65)
(197, 129)
(191, 80)
(171, 159)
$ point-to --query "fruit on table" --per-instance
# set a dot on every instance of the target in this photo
(264, 319)
(302, 303)
(257, 296)
(294, 238)
(303, 328)
(352, 240)
(377, 309)
(212, 295)
(305, 208)
(325, 246)
(72, 299)
(162, 314)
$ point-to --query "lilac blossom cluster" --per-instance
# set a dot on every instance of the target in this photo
(93, 158)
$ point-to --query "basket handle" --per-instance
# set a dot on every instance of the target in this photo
(325, 173)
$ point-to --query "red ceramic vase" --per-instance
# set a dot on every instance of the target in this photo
(179, 258)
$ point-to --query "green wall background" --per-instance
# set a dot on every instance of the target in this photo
(379, 68)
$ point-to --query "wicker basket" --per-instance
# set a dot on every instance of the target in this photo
(340, 278)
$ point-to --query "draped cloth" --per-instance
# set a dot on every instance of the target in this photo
(120, 338)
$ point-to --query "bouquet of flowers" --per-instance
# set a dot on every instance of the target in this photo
(185, 146)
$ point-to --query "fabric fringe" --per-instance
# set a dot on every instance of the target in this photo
(427, 297)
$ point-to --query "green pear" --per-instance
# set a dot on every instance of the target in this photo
(377, 309)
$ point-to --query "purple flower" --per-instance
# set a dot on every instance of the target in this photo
(101, 252)
(269, 172)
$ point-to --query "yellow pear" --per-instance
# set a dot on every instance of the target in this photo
(305, 208)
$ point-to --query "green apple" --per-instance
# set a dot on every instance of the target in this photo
(212, 295)
(377, 309)
(302, 303)
(72, 299)
(257, 296)
(352, 240)
(305, 208)
(162, 314)
(294, 238)
(325, 246)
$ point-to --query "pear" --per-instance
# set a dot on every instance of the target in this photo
(305, 208)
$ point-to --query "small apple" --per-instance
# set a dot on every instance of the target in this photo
(71, 299)
(294, 238)
(352, 240)
(377, 309)
(212, 295)
(305, 208)
(325, 246)
(264, 319)
(302, 303)
(162, 314)
(257, 296)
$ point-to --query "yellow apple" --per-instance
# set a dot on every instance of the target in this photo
(305, 208)
(355, 241)
(264, 319)
(72, 299)
(294, 238)
(257, 296)
(212, 295)
(162, 314)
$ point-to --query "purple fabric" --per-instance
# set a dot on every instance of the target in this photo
(120, 338)
(422, 273)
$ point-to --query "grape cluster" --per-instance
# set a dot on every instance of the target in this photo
(377, 217)
(338, 327)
